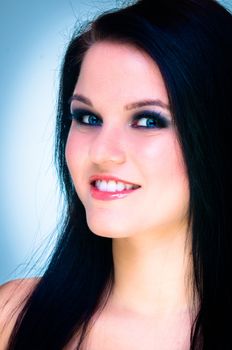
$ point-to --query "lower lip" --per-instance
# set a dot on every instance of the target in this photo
(105, 196)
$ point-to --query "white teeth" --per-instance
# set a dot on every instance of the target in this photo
(101, 185)
(112, 186)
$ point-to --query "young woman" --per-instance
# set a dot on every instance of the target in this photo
(143, 142)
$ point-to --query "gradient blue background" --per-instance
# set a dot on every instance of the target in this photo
(33, 37)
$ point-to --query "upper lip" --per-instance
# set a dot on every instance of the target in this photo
(108, 178)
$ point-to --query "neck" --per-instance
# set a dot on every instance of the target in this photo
(152, 274)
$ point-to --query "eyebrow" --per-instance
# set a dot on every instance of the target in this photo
(138, 104)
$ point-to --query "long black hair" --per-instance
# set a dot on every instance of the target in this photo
(191, 42)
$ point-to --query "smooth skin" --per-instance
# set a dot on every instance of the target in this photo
(152, 259)
(13, 296)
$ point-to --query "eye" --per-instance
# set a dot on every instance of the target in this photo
(84, 117)
(142, 120)
(149, 120)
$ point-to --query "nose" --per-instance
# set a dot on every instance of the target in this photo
(108, 147)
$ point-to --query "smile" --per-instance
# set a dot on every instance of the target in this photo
(103, 190)
(113, 186)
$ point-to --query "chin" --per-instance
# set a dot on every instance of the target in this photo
(104, 230)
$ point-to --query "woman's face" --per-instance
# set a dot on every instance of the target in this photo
(122, 128)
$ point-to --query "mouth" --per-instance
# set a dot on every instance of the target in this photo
(113, 186)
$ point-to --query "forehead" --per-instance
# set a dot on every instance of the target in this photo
(112, 69)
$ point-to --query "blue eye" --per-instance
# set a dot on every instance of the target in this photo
(142, 120)
(84, 117)
(149, 120)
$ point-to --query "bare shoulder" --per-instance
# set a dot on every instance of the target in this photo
(21, 285)
(13, 296)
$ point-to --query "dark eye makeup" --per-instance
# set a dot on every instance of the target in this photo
(141, 120)
(149, 120)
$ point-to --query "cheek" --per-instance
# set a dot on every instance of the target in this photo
(168, 188)
(162, 158)
(74, 154)
(75, 159)
(174, 182)
(70, 152)
(165, 174)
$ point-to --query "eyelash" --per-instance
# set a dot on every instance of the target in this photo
(157, 118)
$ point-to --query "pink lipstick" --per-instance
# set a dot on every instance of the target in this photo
(101, 194)
(109, 195)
